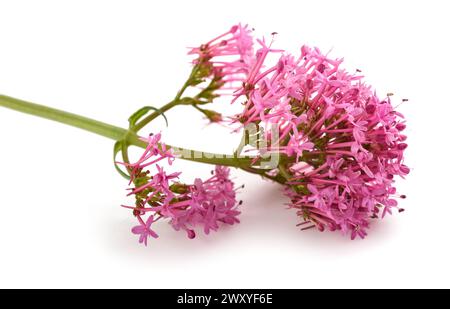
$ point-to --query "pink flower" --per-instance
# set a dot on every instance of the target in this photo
(154, 149)
(143, 230)
(227, 57)
(342, 144)
(212, 201)
(205, 204)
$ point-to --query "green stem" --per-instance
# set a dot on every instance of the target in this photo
(74, 120)
(176, 101)
(278, 178)
(284, 172)
(116, 133)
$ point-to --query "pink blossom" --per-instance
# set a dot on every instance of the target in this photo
(228, 56)
(212, 201)
(342, 144)
(143, 230)
(160, 195)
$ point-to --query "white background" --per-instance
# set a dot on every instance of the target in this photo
(60, 220)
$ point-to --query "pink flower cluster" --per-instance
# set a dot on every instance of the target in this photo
(341, 145)
(226, 58)
(160, 195)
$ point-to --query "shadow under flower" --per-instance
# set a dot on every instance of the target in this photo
(265, 223)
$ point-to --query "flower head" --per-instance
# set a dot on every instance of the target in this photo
(160, 195)
(341, 144)
(225, 59)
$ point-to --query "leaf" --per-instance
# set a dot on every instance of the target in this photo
(117, 149)
(136, 116)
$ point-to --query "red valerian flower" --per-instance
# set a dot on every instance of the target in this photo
(159, 195)
(342, 144)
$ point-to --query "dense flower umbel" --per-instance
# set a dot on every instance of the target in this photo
(341, 144)
(160, 196)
